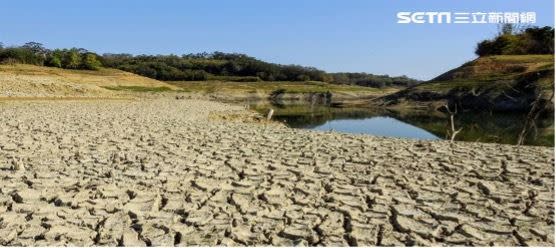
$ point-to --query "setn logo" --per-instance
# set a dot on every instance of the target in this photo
(467, 17)
(424, 17)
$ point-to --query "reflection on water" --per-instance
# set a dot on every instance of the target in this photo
(380, 126)
(480, 127)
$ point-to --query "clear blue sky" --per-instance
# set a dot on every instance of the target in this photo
(334, 35)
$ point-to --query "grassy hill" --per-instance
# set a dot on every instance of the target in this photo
(20, 80)
(498, 83)
(30, 81)
(281, 90)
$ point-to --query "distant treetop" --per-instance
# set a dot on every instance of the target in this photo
(190, 67)
(36, 54)
(513, 40)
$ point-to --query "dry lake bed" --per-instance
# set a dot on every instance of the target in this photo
(193, 172)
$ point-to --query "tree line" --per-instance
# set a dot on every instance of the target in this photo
(513, 40)
(190, 67)
(371, 80)
(35, 53)
(204, 66)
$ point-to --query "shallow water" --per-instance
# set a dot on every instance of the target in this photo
(480, 127)
(380, 126)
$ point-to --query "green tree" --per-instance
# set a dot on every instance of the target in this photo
(20, 55)
(90, 62)
(513, 41)
(540, 40)
(71, 60)
(54, 61)
(35, 47)
(507, 29)
(54, 58)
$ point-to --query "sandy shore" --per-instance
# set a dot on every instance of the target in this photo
(191, 172)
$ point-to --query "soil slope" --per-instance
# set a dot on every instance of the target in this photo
(498, 83)
(29, 81)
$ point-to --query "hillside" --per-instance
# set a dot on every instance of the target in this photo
(20, 80)
(30, 81)
(282, 92)
(215, 66)
(497, 83)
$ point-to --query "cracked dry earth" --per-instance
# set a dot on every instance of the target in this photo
(165, 172)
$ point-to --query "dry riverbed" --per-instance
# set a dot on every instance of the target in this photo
(191, 172)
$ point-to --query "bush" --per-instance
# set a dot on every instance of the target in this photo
(54, 60)
(533, 40)
(203, 66)
(21, 55)
(71, 60)
(35, 54)
(9, 61)
(194, 75)
(235, 78)
(90, 62)
(371, 80)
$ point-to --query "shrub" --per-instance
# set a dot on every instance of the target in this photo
(235, 78)
(55, 59)
(90, 62)
(71, 60)
(55, 62)
(21, 55)
(533, 40)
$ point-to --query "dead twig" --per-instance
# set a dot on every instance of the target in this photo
(532, 116)
(453, 132)
(269, 115)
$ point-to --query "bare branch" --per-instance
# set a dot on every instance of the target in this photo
(532, 116)
(269, 115)
(453, 132)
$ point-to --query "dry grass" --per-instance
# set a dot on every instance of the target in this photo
(499, 71)
(102, 77)
(38, 81)
(266, 88)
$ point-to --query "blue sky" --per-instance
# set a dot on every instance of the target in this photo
(334, 35)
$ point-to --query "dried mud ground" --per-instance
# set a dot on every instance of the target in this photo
(191, 172)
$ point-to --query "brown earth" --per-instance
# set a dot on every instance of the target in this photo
(176, 172)
(491, 83)
(29, 81)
